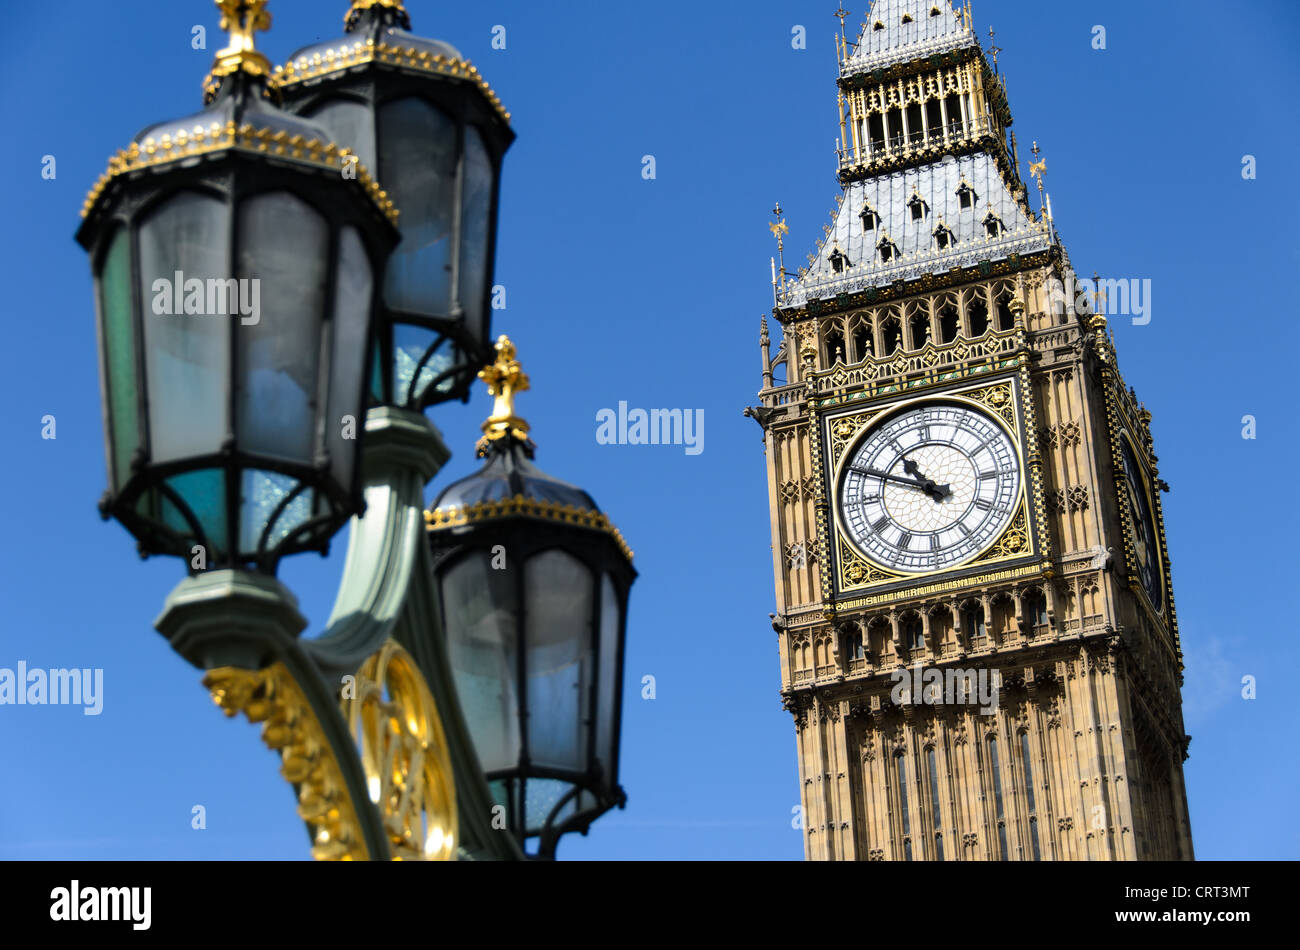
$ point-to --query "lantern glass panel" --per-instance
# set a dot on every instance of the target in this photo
(352, 299)
(610, 622)
(204, 493)
(351, 125)
(283, 250)
(118, 332)
(483, 646)
(476, 209)
(417, 164)
(264, 493)
(410, 344)
(187, 239)
(558, 591)
(543, 794)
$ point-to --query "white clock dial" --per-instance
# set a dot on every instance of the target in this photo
(929, 488)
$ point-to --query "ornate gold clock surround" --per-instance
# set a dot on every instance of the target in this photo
(854, 574)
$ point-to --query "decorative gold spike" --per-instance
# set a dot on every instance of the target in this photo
(504, 378)
(779, 229)
(241, 19)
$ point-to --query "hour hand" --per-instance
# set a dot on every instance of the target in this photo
(937, 492)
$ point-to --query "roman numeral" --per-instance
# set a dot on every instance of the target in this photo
(879, 526)
(904, 541)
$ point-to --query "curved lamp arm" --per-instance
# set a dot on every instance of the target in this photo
(243, 628)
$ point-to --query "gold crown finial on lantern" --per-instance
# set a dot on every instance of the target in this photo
(241, 19)
(504, 378)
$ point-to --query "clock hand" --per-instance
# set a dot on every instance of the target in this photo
(937, 492)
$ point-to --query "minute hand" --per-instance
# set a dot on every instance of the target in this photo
(937, 492)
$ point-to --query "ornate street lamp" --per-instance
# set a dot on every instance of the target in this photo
(534, 584)
(234, 268)
(417, 112)
(238, 257)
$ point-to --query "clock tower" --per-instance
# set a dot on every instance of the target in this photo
(973, 606)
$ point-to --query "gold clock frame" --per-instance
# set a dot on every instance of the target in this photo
(999, 399)
(1124, 436)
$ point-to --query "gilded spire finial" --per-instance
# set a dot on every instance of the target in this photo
(994, 49)
(241, 19)
(505, 379)
(779, 229)
(1036, 168)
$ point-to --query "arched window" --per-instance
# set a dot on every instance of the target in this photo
(900, 766)
(972, 621)
(919, 326)
(949, 325)
(1036, 610)
(834, 346)
(893, 334)
(895, 116)
(996, 767)
(857, 649)
(869, 218)
(862, 347)
(935, 809)
(1026, 758)
(944, 238)
(1006, 319)
(913, 632)
(993, 226)
(977, 312)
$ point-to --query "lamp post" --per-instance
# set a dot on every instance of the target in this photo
(266, 357)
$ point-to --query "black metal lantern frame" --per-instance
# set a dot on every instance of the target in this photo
(231, 161)
(594, 790)
(379, 65)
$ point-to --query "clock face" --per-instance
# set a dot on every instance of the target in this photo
(1145, 550)
(929, 488)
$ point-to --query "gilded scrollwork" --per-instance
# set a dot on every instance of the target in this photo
(290, 726)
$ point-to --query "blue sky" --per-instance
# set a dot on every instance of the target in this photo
(651, 292)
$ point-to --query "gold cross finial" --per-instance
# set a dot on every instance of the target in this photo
(1036, 168)
(241, 19)
(779, 228)
(994, 49)
(505, 378)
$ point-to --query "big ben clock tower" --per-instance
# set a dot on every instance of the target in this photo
(976, 628)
